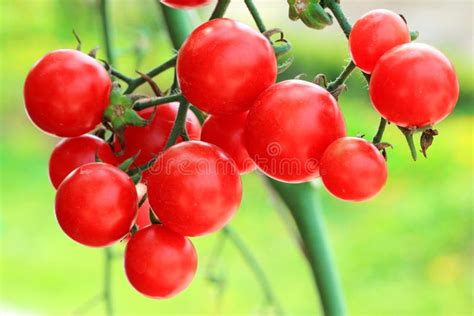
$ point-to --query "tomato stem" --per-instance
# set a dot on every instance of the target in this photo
(220, 9)
(179, 123)
(378, 136)
(150, 102)
(104, 13)
(346, 72)
(303, 203)
(255, 15)
(253, 264)
(108, 281)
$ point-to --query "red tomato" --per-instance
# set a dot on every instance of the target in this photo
(353, 169)
(289, 128)
(96, 204)
(71, 153)
(374, 34)
(227, 132)
(194, 188)
(224, 65)
(151, 139)
(185, 4)
(414, 85)
(159, 263)
(66, 92)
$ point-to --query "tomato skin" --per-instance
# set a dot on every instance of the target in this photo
(224, 65)
(150, 140)
(414, 85)
(185, 4)
(66, 93)
(194, 188)
(373, 35)
(289, 128)
(159, 263)
(96, 204)
(227, 132)
(71, 153)
(353, 169)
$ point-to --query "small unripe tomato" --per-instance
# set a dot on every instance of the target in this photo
(224, 65)
(150, 140)
(66, 93)
(353, 169)
(185, 4)
(194, 188)
(71, 153)
(227, 132)
(375, 33)
(289, 127)
(159, 263)
(414, 85)
(96, 204)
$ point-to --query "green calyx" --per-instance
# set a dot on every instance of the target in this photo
(310, 12)
(120, 114)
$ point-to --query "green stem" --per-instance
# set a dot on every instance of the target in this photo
(256, 16)
(178, 24)
(135, 83)
(378, 136)
(179, 123)
(409, 137)
(303, 203)
(253, 264)
(150, 102)
(107, 282)
(342, 77)
(340, 17)
(220, 9)
(104, 13)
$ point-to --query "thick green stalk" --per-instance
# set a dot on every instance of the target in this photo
(220, 9)
(302, 201)
(104, 13)
(178, 24)
(107, 282)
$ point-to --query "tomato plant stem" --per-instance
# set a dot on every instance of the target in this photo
(340, 16)
(149, 102)
(220, 9)
(108, 281)
(342, 77)
(378, 136)
(173, 18)
(104, 9)
(255, 15)
(179, 123)
(135, 83)
(302, 201)
(253, 264)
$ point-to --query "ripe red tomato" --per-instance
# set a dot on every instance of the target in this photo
(373, 35)
(66, 92)
(227, 132)
(224, 65)
(414, 85)
(194, 188)
(71, 153)
(159, 263)
(151, 139)
(185, 4)
(352, 169)
(289, 128)
(96, 204)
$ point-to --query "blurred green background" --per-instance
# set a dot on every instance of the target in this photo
(409, 251)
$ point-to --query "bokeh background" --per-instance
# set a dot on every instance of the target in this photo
(409, 251)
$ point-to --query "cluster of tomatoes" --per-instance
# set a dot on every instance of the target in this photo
(293, 131)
